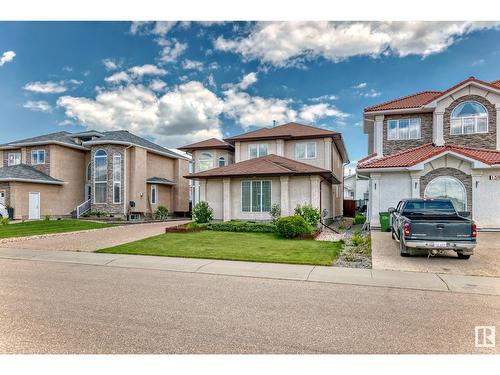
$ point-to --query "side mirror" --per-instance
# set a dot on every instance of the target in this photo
(391, 210)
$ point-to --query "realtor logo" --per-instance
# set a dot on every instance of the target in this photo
(485, 336)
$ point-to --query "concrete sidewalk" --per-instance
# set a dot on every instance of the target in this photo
(322, 274)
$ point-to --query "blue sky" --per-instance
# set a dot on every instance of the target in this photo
(177, 83)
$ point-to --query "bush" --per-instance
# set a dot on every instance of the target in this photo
(310, 214)
(4, 220)
(275, 212)
(242, 226)
(46, 218)
(161, 212)
(359, 218)
(202, 213)
(196, 226)
(293, 226)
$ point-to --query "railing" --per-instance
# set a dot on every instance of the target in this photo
(81, 209)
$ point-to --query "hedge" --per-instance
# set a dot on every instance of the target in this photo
(242, 226)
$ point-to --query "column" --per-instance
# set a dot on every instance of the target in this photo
(375, 199)
(328, 153)
(476, 184)
(237, 151)
(226, 213)
(438, 136)
(415, 185)
(284, 196)
(315, 191)
(497, 106)
(379, 135)
(280, 147)
(203, 190)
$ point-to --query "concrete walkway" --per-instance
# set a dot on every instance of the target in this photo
(335, 275)
(90, 240)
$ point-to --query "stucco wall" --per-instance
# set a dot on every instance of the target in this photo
(181, 190)
(50, 199)
(271, 148)
(164, 198)
(215, 153)
(393, 188)
(487, 204)
(137, 175)
(160, 166)
(319, 161)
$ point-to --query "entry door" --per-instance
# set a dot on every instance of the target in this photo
(2, 197)
(34, 206)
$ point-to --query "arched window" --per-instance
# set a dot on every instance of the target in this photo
(468, 118)
(100, 176)
(448, 187)
(117, 178)
(206, 161)
(222, 161)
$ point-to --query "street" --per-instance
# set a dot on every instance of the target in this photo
(50, 307)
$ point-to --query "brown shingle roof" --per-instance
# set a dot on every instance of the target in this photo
(207, 144)
(269, 165)
(290, 130)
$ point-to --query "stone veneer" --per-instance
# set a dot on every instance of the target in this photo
(6, 187)
(45, 168)
(459, 175)
(392, 146)
(109, 207)
(484, 140)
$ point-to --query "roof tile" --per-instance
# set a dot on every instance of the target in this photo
(209, 143)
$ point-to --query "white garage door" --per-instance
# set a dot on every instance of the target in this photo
(34, 206)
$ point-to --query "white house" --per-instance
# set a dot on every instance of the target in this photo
(356, 187)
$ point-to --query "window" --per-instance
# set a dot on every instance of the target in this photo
(469, 118)
(306, 150)
(403, 129)
(14, 158)
(37, 157)
(257, 150)
(448, 187)
(222, 161)
(100, 176)
(89, 172)
(255, 196)
(153, 194)
(117, 178)
(206, 161)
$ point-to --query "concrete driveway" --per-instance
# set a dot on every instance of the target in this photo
(484, 262)
(91, 240)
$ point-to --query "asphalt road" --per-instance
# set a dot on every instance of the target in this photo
(72, 308)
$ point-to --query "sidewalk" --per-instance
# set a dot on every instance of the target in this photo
(334, 275)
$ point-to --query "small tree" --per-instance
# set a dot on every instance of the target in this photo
(310, 214)
(202, 213)
(275, 212)
(292, 226)
(161, 212)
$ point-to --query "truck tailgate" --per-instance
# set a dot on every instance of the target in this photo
(441, 230)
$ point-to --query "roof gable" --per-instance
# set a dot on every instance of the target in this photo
(289, 130)
(207, 144)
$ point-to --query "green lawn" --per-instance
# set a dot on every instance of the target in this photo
(258, 247)
(31, 228)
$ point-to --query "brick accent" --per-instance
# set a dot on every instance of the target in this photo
(5, 186)
(108, 207)
(45, 168)
(486, 140)
(459, 175)
(6, 156)
(392, 146)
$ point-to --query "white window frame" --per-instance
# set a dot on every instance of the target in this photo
(206, 159)
(223, 160)
(117, 181)
(307, 144)
(468, 118)
(155, 189)
(35, 154)
(100, 182)
(17, 153)
(398, 137)
(257, 146)
(251, 196)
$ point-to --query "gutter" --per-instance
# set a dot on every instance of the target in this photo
(32, 181)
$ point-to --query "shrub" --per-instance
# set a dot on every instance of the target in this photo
(242, 226)
(46, 218)
(161, 212)
(4, 220)
(275, 212)
(310, 214)
(196, 225)
(357, 240)
(293, 226)
(359, 218)
(202, 213)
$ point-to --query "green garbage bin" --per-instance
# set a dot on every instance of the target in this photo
(385, 221)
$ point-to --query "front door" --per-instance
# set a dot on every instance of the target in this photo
(2, 197)
(34, 206)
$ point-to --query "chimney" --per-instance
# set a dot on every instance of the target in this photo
(274, 123)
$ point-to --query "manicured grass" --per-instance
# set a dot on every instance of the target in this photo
(258, 247)
(31, 228)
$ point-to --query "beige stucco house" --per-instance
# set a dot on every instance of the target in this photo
(66, 174)
(291, 164)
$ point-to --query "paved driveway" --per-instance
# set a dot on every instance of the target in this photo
(484, 262)
(92, 240)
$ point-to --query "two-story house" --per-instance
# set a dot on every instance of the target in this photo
(437, 144)
(116, 172)
(291, 164)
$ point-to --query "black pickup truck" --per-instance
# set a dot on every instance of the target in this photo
(433, 225)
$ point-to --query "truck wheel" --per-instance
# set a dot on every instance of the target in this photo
(463, 256)
(392, 234)
(402, 248)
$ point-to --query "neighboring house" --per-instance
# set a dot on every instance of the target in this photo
(113, 172)
(356, 188)
(291, 164)
(437, 144)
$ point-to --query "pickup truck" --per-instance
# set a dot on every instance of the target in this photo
(433, 225)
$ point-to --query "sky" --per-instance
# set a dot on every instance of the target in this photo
(180, 82)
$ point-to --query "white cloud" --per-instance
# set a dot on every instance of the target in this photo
(157, 85)
(39, 106)
(111, 64)
(192, 65)
(312, 113)
(147, 69)
(67, 68)
(248, 80)
(155, 28)
(289, 43)
(48, 87)
(171, 50)
(65, 123)
(6, 57)
(362, 85)
(211, 81)
(323, 98)
(118, 77)
(372, 93)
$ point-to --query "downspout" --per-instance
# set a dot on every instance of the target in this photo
(125, 180)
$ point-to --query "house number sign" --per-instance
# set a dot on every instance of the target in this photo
(495, 177)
